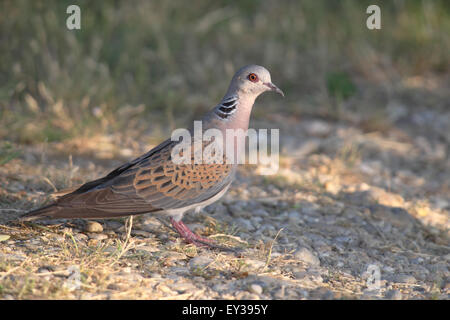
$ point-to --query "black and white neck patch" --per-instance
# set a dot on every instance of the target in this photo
(227, 107)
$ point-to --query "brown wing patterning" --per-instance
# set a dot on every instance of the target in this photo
(163, 183)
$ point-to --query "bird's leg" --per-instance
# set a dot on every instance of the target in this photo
(188, 235)
(191, 237)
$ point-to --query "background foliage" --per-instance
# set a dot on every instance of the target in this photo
(159, 63)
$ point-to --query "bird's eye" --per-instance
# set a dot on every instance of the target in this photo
(252, 77)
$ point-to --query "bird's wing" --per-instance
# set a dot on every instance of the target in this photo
(166, 185)
(152, 182)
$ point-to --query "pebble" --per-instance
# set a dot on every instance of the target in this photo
(305, 255)
(97, 236)
(45, 269)
(183, 287)
(80, 236)
(4, 237)
(237, 209)
(405, 278)
(256, 289)
(201, 261)
(261, 213)
(223, 287)
(332, 187)
(244, 224)
(93, 226)
(114, 224)
(141, 233)
(294, 217)
(110, 249)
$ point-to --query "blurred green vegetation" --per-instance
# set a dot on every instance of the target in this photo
(145, 63)
(7, 153)
(340, 85)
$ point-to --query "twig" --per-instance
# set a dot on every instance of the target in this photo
(129, 225)
(271, 247)
(126, 244)
(50, 183)
(9, 228)
(14, 269)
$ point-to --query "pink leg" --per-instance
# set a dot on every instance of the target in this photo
(189, 236)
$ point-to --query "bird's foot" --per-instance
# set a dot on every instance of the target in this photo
(188, 235)
(191, 237)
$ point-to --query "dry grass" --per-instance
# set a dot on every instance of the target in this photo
(141, 65)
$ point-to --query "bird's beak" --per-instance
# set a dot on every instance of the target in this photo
(274, 88)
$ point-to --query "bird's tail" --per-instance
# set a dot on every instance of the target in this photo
(41, 213)
(57, 211)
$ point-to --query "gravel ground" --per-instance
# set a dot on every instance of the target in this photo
(350, 214)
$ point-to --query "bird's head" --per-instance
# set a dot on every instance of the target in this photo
(253, 79)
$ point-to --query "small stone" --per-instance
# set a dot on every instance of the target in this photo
(141, 233)
(114, 225)
(200, 262)
(110, 233)
(332, 187)
(110, 249)
(45, 269)
(256, 289)
(221, 287)
(80, 236)
(126, 270)
(183, 287)
(97, 236)
(244, 224)
(93, 226)
(300, 274)
(261, 213)
(393, 295)
(306, 256)
(237, 209)
(405, 278)
(294, 217)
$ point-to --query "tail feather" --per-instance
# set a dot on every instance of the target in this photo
(55, 211)
(41, 213)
